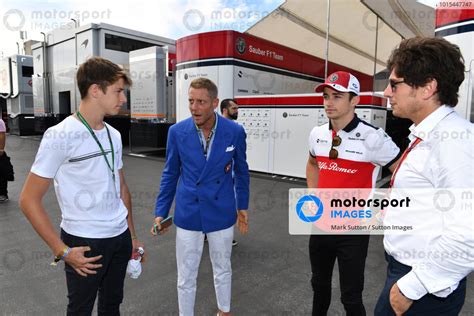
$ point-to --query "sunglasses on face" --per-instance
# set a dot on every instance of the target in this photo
(393, 84)
(333, 153)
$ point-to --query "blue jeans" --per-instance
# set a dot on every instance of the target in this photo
(428, 305)
(108, 281)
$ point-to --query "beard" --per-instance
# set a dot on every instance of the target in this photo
(234, 116)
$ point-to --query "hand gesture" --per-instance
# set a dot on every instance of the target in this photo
(81, 264)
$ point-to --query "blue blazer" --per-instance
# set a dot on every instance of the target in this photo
(205, 197)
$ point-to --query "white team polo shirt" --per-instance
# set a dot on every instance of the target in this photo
(89, 199)
(363, 151)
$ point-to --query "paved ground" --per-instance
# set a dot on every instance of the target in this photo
(271, 268)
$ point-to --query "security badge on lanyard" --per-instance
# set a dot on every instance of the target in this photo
(89, 128)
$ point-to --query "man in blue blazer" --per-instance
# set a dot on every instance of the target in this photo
(201, 153)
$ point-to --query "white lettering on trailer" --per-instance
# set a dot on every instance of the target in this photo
(256, 51)
(267, 53)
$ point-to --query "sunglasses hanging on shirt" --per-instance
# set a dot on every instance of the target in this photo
(336, 141)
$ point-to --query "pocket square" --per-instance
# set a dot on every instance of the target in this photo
(230, 148)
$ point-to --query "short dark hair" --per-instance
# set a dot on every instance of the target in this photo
(100, 71)
(225, 104)
(420, 59)
(204, 83)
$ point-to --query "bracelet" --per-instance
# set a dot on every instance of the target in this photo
(61, 256)
(134, 237)
(68, 250)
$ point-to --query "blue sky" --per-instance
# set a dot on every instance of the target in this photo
(167, 18)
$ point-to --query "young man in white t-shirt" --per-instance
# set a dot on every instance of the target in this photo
(83, 155)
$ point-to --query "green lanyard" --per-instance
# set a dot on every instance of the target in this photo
(111, 168)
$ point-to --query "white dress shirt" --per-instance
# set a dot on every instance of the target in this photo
(443, 159)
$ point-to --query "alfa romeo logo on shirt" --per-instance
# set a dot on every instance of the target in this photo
(240, 45)
(333, 78)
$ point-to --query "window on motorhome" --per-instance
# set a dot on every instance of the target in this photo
(124, 44)
(27, 71)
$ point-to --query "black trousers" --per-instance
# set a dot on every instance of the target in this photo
(351, 252)
(428, 305)
(3, 187)
(108, 281)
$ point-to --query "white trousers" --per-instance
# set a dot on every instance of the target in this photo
(189, 245)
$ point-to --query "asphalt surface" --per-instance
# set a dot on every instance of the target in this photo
(271, 269)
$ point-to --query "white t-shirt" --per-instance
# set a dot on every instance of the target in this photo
(88, 197)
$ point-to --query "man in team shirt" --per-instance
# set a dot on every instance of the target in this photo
(347, 152)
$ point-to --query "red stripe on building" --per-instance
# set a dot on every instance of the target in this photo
(451, 16)
(304, 100)
(226, 44)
